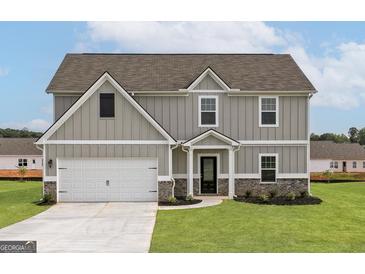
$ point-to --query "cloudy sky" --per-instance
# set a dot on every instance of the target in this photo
(331, 54)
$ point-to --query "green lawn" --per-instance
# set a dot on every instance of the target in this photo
(16, 201)
(337, 225)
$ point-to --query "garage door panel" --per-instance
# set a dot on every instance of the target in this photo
(130, 179)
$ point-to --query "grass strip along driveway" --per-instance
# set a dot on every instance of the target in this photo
(336, 225)
(17, 201)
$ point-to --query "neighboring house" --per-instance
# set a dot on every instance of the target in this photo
(18, 152)
(142, 127)
(337, 157)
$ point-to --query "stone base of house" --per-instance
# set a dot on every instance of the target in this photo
(164, 190)
(50, 188)
(181, 187)
(282, 187)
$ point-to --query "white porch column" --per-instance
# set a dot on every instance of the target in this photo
(190, 172)
(231, 173)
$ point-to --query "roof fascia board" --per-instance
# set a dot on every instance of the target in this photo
(106, 76)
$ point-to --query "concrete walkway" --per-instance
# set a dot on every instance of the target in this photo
(88, 227)
(206, 201)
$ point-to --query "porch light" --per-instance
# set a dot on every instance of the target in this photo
(50, 163)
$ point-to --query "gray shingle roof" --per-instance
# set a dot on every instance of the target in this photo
(18, 146)
(336, 151)
(171, 72)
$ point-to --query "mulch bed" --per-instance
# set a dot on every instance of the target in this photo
(180, 202)
(281, 200)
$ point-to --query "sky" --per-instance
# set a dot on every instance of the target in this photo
(332, 55)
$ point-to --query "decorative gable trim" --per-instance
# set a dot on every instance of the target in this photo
(215, 77)
(94, 87)
(214, 133)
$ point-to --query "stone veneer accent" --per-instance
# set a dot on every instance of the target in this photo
(223, 187)
(51, 189)
(164, 190)
(283, 186)
(181, 187)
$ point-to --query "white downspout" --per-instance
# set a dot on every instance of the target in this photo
(172, 179)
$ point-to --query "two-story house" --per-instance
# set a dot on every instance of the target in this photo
(142, 127)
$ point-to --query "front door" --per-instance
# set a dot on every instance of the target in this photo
(208, 175)
(344, 167)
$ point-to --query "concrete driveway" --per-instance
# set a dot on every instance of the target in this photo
(88, 227)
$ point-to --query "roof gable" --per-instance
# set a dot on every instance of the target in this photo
(90, 91)
(211, 137)
(127, 124)
(208, 80)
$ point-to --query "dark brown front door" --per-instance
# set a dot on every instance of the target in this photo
(208, 175)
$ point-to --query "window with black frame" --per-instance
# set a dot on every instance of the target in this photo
(268, 111)
(22, 162)
(268, 169)
(106, 105)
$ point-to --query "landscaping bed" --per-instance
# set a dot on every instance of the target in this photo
(180, 201)
(310, 200)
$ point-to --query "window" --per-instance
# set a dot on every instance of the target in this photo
(33, 161)
(208, 111)
(336, 164)
(106, 105)
(268, 168)
(331, 165)
(363, 164)
(269, 111)
(22, 162)
(354, 164)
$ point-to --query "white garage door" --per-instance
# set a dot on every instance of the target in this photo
(101, 180)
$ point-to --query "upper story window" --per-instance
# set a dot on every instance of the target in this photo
(269, 111)
(106, 105)
(208, 111)
(23, 162)
(354, 164)
(268, 168)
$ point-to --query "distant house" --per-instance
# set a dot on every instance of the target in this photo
(17, 152)
(338, 157)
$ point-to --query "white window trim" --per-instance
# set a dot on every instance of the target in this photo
(216, 109)
(276, 155)
(277, 111)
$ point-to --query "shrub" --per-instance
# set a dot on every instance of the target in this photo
(189, 198)
(273, 193)
(247, 193)
(264, 198)
(290, 196)
(47, 199)
(22, 171)
(304, 194)
(172, 200)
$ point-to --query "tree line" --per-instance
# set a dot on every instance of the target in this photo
(18, 133)
(354, 135)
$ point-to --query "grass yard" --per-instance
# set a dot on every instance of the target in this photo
(16, 201)
(337, 225)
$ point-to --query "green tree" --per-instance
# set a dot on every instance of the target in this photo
(353, 134)
(362, 136)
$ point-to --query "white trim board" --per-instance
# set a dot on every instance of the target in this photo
(277, 111)
(105, 77)
(274, 142)
(106, 142)
(216, 110)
